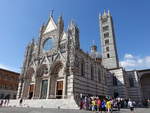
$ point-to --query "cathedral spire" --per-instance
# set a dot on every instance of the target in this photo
(60, 24)
(104, 14)
(109, 13)
(51, 13)
(73, 32)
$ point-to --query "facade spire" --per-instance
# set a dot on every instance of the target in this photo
(109, 13)
(51, 13)
(104, 12)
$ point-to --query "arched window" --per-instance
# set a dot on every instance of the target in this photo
(107, 48)
(92, 74)
(43, 69)
(99, 75)
(82, 68)
(108, 56)
(29, 73)
(115, 81)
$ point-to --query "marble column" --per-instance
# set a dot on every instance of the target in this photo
(37, 89)
(25, 89)
(48, 87)
(65, 86)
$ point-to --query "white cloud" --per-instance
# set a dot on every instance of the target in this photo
(9, 68)
(135, 62)
(128, 56)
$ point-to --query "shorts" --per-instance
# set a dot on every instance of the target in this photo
(104, 109)
(131, 108)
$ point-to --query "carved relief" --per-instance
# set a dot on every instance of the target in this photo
(29, 73)
(42, 70)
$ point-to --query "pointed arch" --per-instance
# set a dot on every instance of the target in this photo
(82, 68)
(42, 69)
(56, 67)
(29, 73)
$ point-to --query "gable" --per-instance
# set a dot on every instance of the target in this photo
(64, 37)
(50, 25)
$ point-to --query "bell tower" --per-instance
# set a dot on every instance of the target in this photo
(108, 44)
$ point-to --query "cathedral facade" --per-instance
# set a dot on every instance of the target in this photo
(55, 67)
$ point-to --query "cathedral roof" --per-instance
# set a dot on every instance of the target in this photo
(51, 25)
(95, 55)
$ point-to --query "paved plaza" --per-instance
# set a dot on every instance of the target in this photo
(46, 110)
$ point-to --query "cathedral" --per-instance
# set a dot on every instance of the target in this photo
(55, 67)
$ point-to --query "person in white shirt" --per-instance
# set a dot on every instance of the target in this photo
(130, 105)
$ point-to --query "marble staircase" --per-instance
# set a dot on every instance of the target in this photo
(46, 103)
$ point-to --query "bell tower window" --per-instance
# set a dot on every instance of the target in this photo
(108, 55)
(106, 42)
(92, 76)
(105, 28)
(106, 35)
(107, 48)
(82, 68)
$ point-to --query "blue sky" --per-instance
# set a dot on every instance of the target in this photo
(20, 21)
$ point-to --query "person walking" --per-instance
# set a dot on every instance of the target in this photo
(1, 103)
(118, 104)
(103, 106)
(93, 104)
(130, 105)
(5, 102)
(108, 106)
(20, 102)
(98, 102)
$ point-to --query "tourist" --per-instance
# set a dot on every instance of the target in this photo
(125, 104)
(108, 106)
(103, 105)
(118, 104)
(115, 106)
(5, 102)
(148, 101)
(98, 103)
(1, 103)
(8, 101)
(130, 105)
(89, 103)
(81, 103)
(93, 104)
(20, 102)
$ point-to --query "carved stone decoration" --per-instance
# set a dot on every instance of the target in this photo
(29, 73)
(43, 69)
(76, 61)
(57, 68)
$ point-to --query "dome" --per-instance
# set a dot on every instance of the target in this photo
(95, 55)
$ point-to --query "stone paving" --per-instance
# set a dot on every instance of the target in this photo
(48, 110)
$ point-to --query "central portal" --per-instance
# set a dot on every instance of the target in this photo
(44, 89)
(59, 89)
(31, 88)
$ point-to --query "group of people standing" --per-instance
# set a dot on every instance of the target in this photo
(4, 102)
(96, 104)
(104, 104)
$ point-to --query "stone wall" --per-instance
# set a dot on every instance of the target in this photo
(120, 88)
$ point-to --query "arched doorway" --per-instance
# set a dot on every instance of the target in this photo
(57, 81)
(145, 85)
(116, 94)
(29, 76)
(42, 75)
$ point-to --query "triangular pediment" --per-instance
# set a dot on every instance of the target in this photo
(51, 25)
(64, 37)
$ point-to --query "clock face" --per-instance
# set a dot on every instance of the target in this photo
(48, 44)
